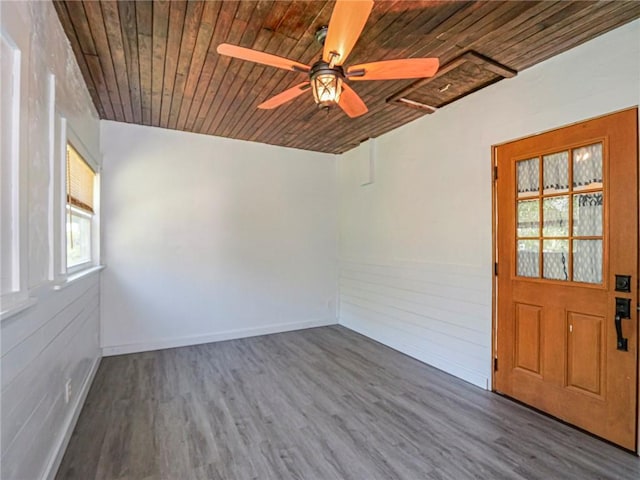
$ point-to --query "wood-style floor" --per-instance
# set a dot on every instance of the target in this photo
(316, 404)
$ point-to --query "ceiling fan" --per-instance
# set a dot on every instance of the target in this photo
(327, 75)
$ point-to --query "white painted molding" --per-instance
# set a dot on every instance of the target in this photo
(74, 277)
(56, 455)
(214, 337)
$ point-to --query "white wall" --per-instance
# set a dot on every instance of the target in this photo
(56, 338)
(415, 246)
(208, 238)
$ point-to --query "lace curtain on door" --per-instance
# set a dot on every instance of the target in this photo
(555, 256)
(528, 177)
(587, 214)
(580, 206)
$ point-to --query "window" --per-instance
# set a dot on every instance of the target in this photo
(560, 208)
(80, 204)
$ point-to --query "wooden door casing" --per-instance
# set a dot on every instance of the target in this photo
(556, 340)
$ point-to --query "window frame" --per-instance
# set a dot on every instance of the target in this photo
(68, 137)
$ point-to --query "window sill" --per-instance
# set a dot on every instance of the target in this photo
(15, 307)
(74, 277)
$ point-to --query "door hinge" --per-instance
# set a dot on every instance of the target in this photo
(495, 364)
(495, 268)
(495, 173)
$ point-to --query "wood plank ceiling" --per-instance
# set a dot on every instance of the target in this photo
(155, 63)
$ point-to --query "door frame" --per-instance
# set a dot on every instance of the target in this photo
(494, 249)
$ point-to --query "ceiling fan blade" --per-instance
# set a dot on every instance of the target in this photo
(285, 96)
(261, 57)
(346, 24)
(351, 103)
(394, 69)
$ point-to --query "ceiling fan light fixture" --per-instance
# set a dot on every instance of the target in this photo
(326, 84)
(327, 75)
(327, 89)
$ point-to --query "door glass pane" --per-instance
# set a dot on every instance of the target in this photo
(528, 218)
(556, 172)
(555, 213)
(528, 177)
(528, 255)
(587, 167)
(587, 261)
(555, 259)
(587, 214)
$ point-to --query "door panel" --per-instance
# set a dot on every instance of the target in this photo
(585, 353)
(567, 223)
(527, 341)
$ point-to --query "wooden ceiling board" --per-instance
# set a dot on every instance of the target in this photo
(203, 61)
(155, 62)
(79, 54)
(610, 16)
(237, 71)
(94, 17)
(555, 28)
(126, 13)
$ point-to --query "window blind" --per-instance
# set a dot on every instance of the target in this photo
(80, 178)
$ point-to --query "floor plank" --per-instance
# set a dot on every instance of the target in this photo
(324, 403)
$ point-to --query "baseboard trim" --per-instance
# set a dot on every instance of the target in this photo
(54, 461)
(162, 344)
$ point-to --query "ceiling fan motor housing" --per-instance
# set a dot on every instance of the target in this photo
(323, 68)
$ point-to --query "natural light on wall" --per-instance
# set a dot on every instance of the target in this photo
(80, 204)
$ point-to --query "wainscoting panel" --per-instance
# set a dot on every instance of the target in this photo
(439, 314)
(54, 341)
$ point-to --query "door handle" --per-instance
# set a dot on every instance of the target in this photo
(622, 343)
(623, 310)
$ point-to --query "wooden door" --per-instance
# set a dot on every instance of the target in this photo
(567, 224)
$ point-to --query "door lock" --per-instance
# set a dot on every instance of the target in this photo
(623, 283)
